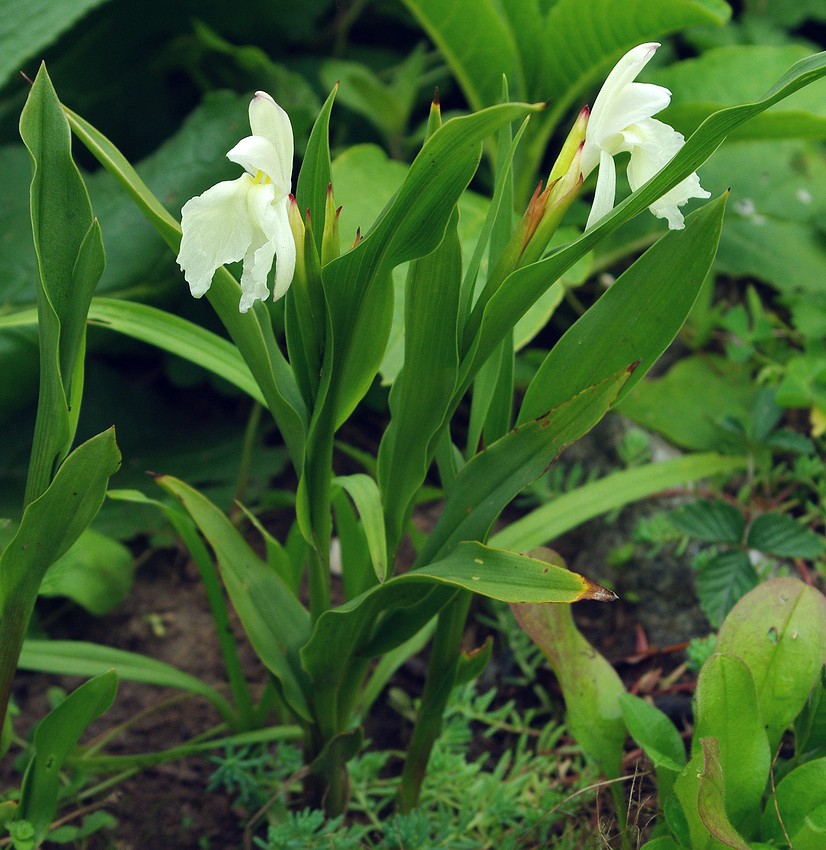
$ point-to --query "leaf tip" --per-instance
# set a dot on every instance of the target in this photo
(597, 592)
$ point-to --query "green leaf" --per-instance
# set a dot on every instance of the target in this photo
(493, 478)
(276, 623)
(315, 176)
(177, 336)
(779, 631)
(478, 44)
(658, 736)
(69, 252)
(525, 286)
(364, 492)
(566, 512)
(590, 685)
(635, 320)
(736, 73)
(96, 572)
(30, 27)
(54, 738)
(687, 402)
(710, 520)
(423, 389)
(358, 283)
(52, 523)
(338, 653)
(77, 658)
(727, 710)
(713, 800)
(800, 799)
(782, 535)
(722, 580)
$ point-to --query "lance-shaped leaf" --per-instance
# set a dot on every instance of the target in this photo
(547, 522)
(493, 478)
(55, 737)
(424, 387)
(525, 286)
(51, 524)
(276, 623)
(364, 492)
(69, 252)
(344, 638)
(636, 319)
(779, 631)
(251, 331)
(590, 685)
(358, 284)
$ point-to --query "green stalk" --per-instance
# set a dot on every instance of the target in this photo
(441, 675)
(247, 449)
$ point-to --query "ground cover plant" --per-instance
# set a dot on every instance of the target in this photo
(435, 294)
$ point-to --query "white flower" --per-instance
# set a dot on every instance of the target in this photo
(621, 122)
(246, 219)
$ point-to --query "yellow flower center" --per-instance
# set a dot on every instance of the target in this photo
(261, 177)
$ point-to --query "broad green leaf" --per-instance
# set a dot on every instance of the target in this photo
(714, 799)
(728, 75)
(782, 535)
(686, 404)
(177, 336)
(800, 798)
(77, 658)
(635, 320)
(722, 580)
(727, 710)
(252, 331)
(54, 738)
(658, 736)
(779, 631)
(664, 842)
(424, 387)
(70, 260)
(590, 685)
(364, 492)
(494, 477)
(29, 26)
(566, 512)
(525, 286)
(96, 572)
(479, 45)
(344, 638)
(276, 623)
(713, 521)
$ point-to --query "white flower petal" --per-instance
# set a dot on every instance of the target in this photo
(261, 252)
(623, 73)
(255, 153)
(216, 230)
(605, 191)
(269, 120)
(285, 251)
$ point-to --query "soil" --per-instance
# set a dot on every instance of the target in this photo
(167, 617)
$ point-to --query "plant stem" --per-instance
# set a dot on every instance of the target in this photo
(441, 675)
(247, 449)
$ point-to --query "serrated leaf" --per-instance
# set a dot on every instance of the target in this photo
(710, 520)
(722, 581)
(782, 535)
